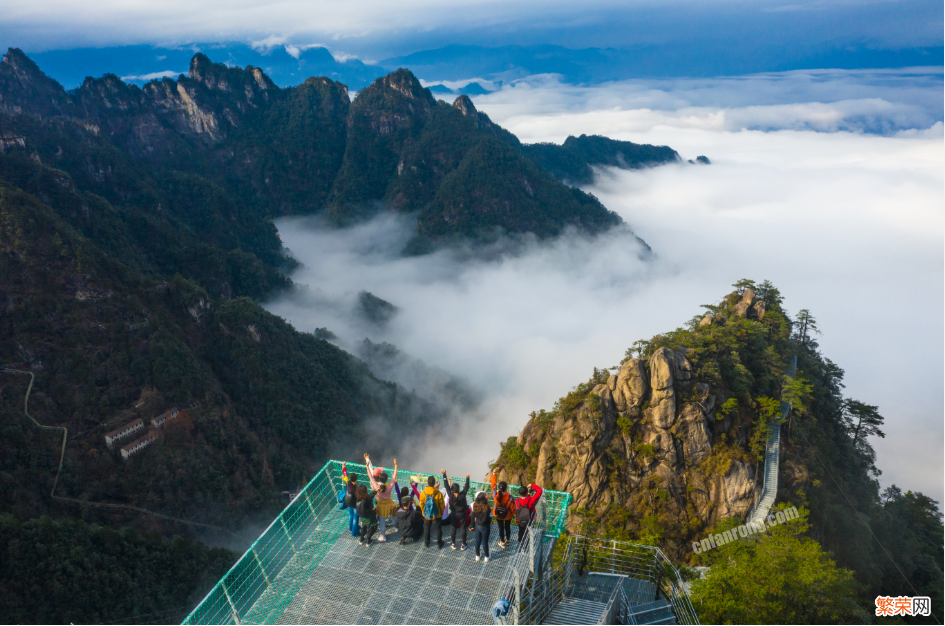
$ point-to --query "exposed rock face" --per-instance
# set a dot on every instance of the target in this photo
(630, 385)
(744, 304)
(645, 430)
(734, 493)
(466, 107)
(694, 433)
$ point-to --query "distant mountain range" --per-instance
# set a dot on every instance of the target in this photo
(309, 149)
(289, 65)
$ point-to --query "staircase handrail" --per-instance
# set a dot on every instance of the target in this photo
(769, 488)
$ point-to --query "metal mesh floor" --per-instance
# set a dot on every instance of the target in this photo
(386, 583)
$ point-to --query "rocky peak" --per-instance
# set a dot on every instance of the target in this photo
(466, 106)
(108, 95)
(23, 86)
(321, 81)
(248, 86)
(643, 433)
(202, 71)
(404, 82)
(392, 103)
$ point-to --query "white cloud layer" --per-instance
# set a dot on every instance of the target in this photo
(877, 101)
(154, 75)
(848, 225)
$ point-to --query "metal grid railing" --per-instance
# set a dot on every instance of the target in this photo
(642, 575)
(267, 578)
(640, 563)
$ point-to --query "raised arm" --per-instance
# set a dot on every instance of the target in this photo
(370, 472)
(466, 488)
(493, 481)
(344, 471)
(536, 495)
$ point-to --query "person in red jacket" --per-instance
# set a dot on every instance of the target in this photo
(525, 508)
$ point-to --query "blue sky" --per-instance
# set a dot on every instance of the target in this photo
(714, 37)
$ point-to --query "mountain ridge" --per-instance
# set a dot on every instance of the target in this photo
(309, 149)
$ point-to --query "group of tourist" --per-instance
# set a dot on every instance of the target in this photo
(421, 513)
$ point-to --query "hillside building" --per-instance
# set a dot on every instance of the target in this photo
(164, 417)
(124, 431)
(138, 444)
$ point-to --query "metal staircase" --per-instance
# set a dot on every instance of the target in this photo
(769, 490)
(594, 581)
(659, 612)
(576, 611)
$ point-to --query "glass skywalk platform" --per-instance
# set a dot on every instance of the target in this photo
(306, 568)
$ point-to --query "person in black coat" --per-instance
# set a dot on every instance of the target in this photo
(366, 514)
(482, 517)
(459, 508)
(409, 521)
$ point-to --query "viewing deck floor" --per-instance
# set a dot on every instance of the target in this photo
(386, 583)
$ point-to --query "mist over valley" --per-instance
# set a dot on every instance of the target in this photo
(675, 271)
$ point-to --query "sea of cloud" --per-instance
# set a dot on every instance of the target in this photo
(844, 215)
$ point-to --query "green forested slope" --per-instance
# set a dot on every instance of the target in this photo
(108, 343)
(71, 572)
(572, 160)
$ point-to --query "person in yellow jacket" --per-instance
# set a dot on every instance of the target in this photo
(432, 507)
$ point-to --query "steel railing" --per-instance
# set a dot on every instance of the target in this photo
(647, 576)
(269, 575)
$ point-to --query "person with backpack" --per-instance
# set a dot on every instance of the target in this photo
(350, 500)
(525, 509)
(386, 506)
(482, 517)
(504, 510)
(433, 507)
(459, 511)
(409, 520)
(367, 515)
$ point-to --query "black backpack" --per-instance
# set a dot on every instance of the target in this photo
(350, 501)
(365, 507)
(523, 515)
(502, 509)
